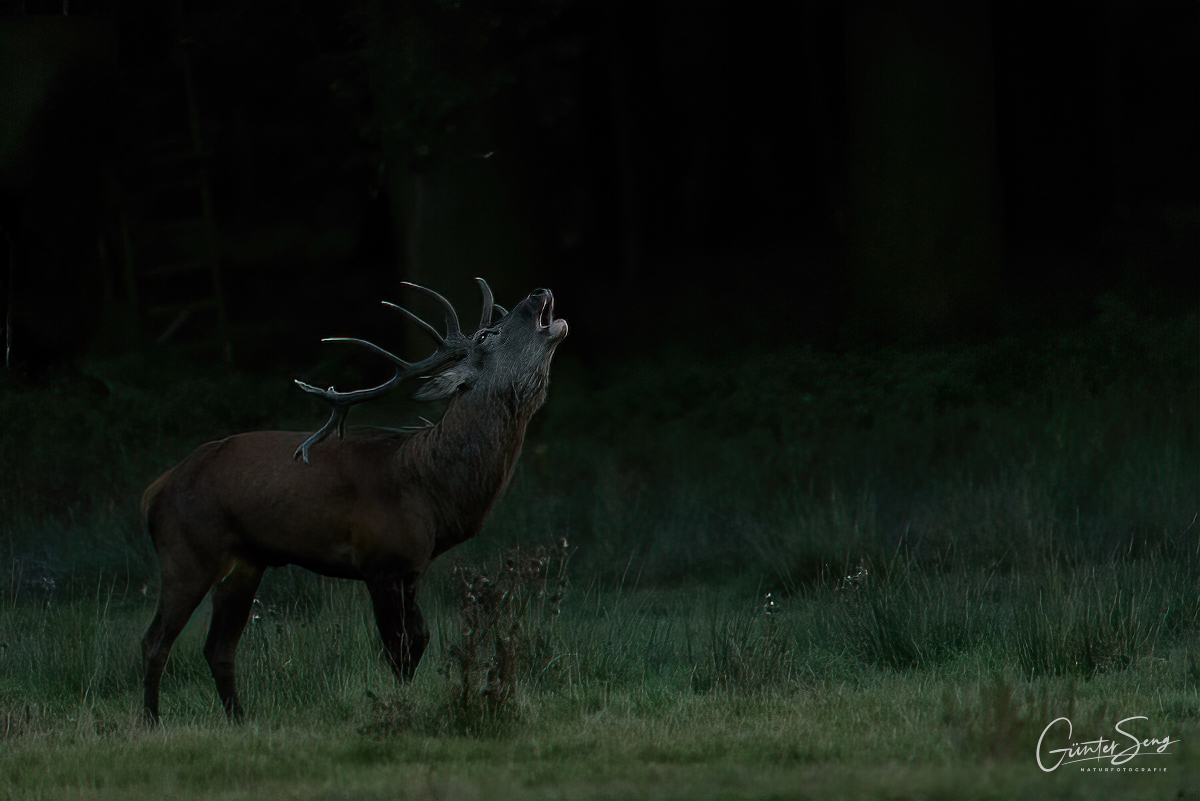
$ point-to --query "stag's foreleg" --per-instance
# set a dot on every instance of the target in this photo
(400, 622)
(233, 597)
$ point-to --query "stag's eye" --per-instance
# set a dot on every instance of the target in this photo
(484, 333)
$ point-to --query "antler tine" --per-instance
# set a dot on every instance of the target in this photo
(373, 348)
(406, 369)
(498, 311)
(485, 319)
(429, 329)
(452, 327)
(341, 403)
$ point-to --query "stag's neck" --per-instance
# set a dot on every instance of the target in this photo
(473, 450)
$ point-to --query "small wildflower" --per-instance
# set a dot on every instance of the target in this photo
(856, 579)
(770, 607)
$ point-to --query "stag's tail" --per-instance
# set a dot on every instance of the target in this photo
(151, 495)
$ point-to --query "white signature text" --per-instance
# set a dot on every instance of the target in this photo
(1119, 750)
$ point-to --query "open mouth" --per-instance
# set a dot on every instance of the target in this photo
(545, 314)
(546, 321)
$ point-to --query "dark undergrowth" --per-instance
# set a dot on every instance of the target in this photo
(786, 466)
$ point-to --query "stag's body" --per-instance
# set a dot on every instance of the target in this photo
(377, 505)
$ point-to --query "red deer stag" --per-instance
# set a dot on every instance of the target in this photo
(377, 505)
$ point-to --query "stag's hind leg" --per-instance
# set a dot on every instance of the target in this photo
(233, 596)
(177, 600)
(400, 622)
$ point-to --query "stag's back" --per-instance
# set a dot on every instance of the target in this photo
(246, 496)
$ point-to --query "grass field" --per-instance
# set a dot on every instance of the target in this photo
(786, 574)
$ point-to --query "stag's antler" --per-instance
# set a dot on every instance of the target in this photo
(451, 348)
(491, 309)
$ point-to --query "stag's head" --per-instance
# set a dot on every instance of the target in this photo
(507, 357)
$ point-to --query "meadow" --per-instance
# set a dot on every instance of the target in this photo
(879, 573)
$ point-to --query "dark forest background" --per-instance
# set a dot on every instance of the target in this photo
(248, 177)
(882, 384)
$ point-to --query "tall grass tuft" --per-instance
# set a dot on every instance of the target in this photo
(1097, 619)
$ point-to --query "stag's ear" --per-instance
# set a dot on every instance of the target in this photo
(444, 384)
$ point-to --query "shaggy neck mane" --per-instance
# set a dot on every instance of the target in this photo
(479, 439)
